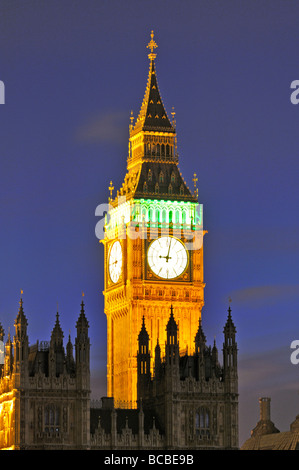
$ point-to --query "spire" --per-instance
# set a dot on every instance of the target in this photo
(172, 328)
(70, 362)
(152, 149)
(152, 115)
(143, 336)
(230, 350)
(200, 339)
(143, 362)
(57, 333)
(21, 318)
(172, 345)
(229, 328)
(82, 320)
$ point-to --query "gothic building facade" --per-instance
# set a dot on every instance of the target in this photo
(189, 402)
(45, 389)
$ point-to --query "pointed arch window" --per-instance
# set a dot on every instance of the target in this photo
(150, 215)
(161, 177)
(170, 189)
(149, 175)
(52, 419)
(157, 188)
(145, 187)
(172, 177)
(158, 150)
(157, 215)
(202, 423)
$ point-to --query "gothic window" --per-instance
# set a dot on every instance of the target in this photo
(150, 215)
(149, 175)
(162, 150)
(202, 423)
(52, 419)
(157, 215)
(170, 217)
(157, 188)
(184, 217)
(145, 187)
(170, 189)
(143, 214)
(172, 177)
(177, 217)
(182, 190)
(161, 177)
(164, 216)
(158, 150)
(167, 150)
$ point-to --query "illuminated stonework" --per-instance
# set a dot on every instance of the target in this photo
(44, 390)
(154, 201)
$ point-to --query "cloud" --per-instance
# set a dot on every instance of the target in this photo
(109, 127)
(269, 293)
(268, 371)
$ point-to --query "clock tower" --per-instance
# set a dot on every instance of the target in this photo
(153, 246)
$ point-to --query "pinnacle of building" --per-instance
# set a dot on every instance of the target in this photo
(152, 115)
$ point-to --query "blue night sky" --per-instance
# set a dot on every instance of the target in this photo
(73, 70)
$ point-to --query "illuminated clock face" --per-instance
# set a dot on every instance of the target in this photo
(167, 257)
(115, 261)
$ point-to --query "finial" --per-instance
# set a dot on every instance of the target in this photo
(131, 119)
(152, 45)
(229, 309)
(195, 179)
(173, 117)
(111, 187)
(21, 300)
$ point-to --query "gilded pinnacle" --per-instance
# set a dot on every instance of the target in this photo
(152, 45)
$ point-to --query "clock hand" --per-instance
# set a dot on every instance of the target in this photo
(168, 257)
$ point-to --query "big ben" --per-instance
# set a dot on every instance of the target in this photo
(153, 244)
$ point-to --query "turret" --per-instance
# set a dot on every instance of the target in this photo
(82, 348)
(8, 360)
(70, 362)
(143, 362)
(172, 345)
(56, 351)
(230, 377)
(21, 342)
(82, 354)
(230, 350)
